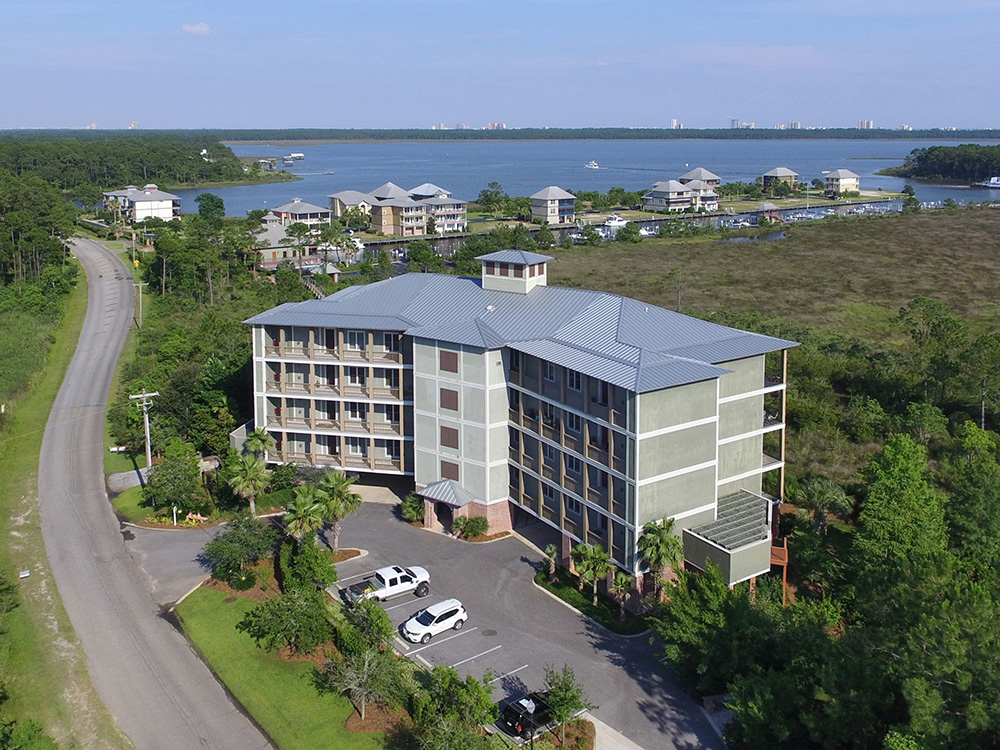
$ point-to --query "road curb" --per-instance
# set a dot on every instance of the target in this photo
(588, 617)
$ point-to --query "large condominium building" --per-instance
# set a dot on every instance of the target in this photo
(508, 398)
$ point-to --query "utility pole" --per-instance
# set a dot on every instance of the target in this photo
(140, 284)
(144, 405)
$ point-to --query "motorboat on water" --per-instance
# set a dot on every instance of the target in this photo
(991, 184)
(591, 165)
(614, 221)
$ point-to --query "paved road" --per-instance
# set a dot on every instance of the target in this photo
(155, 686)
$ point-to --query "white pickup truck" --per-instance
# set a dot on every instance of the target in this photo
(388, 582)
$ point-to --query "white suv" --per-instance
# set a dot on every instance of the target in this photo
(437, 618)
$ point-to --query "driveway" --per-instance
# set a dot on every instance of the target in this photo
(515, 628)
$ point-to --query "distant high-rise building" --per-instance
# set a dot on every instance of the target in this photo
(134, 125)
(496, 126)
(462, 126)
(92, 126)
(866, 124)
(673, 123)
(949, 128)
(794, 125)
(906, 127)
(779, 126)
(734, 123)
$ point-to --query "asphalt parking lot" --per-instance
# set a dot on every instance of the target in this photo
(515, 629)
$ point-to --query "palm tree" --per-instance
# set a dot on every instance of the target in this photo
(661, 549)
(249, 479)
(551, 556)
(259, 441)
(821, 496)
(304, 516)
(621, 589)
(338, 500)
(592, 564)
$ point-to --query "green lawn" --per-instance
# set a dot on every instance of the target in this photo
(278, 694)
(131, 505)
(41, 660)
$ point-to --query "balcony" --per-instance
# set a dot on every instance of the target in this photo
(357, 426)
(384, 391)
(353, 389)
(386, 428)
(598, 453)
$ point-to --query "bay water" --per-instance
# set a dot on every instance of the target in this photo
(524, 167)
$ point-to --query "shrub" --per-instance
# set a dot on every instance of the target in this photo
(470, 526)
(298, 620)
(412, 507)
(245, 541)
(304, 567)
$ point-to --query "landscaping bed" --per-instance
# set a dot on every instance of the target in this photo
(606, 612)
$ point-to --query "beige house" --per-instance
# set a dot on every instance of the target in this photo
(702, 174)
(554, 205)
(514, 400)
(841, 181)
(780, 174)
(394, 210)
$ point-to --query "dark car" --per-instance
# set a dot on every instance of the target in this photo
(526, 717)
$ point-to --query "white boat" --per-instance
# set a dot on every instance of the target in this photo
(991, 184)
(614, 221)
(647, 232)
(591, 165)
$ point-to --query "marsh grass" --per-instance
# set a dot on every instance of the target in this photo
(849, 276)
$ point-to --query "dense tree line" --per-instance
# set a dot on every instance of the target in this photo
(970, 161)
(111, 164)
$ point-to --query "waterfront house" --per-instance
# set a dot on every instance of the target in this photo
(700, 173)
(138, 204)
(704, 195)
(670, 195)
(780, 174)
(554, 205)
(507, 398)
(300, 212)
(841, 181)
(345, 199)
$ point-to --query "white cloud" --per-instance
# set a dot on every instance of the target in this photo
(197, 29)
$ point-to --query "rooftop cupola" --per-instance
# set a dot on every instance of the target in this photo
(514, 270)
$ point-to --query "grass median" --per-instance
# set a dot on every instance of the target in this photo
(278, 694)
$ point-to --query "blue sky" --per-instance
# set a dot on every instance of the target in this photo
(538, 63)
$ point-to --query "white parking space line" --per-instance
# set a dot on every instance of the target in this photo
(513, 671)
(488, 651)
(443, 640)
(397, 606)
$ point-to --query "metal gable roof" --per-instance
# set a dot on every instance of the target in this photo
(621, 340)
